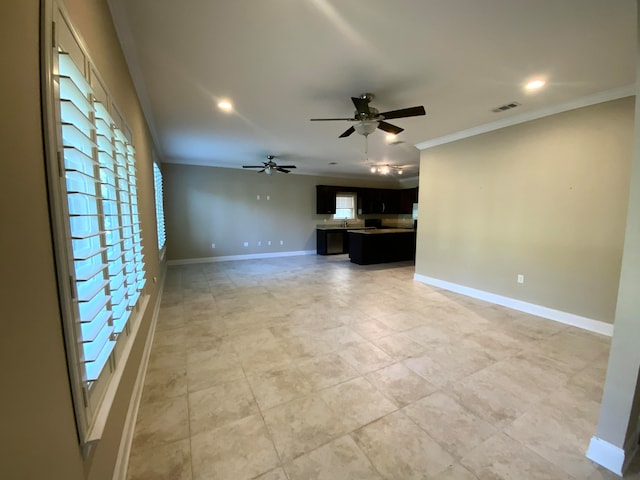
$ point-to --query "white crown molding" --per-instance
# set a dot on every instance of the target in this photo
(408, 180)
(596, 326)
(123, 30)
(600, 97)
(251, 256)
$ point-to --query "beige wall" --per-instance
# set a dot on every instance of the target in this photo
(546, 199)
(206, 205)
(38, 429)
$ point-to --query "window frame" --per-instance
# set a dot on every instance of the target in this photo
(92, 399)
(158, 189)
(353, 197)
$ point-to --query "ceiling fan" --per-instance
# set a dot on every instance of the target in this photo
(270, 166)
(369, 118)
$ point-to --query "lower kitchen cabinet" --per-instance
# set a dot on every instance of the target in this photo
(382, 246)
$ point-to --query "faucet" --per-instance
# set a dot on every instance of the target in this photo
(345, 223)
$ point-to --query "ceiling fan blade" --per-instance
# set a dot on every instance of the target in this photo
(280, 169)
(287, 166)
(404, 112)
(262, 170)
(347, 132)
(331, 119)
(387, 127)
(362, 106)
(253, 166)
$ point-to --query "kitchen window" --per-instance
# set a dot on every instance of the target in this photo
(345, 206)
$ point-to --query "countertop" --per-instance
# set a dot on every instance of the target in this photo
(339, 227)
(377, 231)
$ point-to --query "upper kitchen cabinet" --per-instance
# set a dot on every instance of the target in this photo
(377, 200)
(370, 200)
(326, 199)
(385, 200)
(365, 200)
(408, 197)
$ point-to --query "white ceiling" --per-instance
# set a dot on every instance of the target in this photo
(282, 62)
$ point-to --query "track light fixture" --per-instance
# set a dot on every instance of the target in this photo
(386, 169)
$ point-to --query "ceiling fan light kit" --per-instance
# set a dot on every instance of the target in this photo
(368, 119)
(269, 167)
(366, 127)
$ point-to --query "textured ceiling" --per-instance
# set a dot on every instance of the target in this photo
(282, 62)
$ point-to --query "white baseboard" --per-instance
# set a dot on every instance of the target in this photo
(585, 323)
(122, 461)
(614, 459)
(250, 256)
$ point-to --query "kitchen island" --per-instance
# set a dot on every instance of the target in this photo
(381, 245)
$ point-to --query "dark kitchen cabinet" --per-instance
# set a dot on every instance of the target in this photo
(378, 200)
(373, 200)
(326, 199)
(365, 201)
(389, 246)
(391, 201)
(408, 197)
(369, 200)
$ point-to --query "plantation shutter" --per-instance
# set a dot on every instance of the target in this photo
(106, 239)
(157, 180)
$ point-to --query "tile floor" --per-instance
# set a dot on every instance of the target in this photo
(311, 367)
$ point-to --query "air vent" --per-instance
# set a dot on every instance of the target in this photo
(507, 106)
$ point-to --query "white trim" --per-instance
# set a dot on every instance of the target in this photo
(126, 439)
(251, 256)
(409, 180)
(123, 32)
(609, 456)
(606, 96)
(585, 323)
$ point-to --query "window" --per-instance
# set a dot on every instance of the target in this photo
(91, 171)
(99, 166)
(345, 206)
(157, 182)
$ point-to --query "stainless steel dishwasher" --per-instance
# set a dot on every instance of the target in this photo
(335, 241)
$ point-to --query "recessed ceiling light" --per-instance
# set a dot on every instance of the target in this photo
(225, 105)
(391, 137)
(535, 84)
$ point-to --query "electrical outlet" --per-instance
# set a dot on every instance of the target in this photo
(281, 242)
(257, 197)
(268, 197)
(213, 245)
(246, 244)
(269, 242)
(259, 243)
(520, 278)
